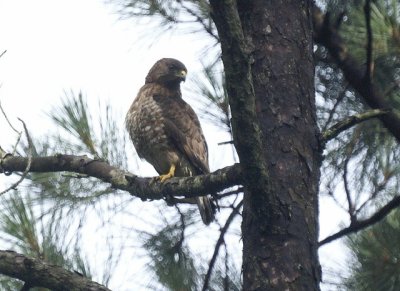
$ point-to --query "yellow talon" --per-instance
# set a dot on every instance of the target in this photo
(169, 175)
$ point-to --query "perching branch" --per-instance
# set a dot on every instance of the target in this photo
(37, 273)
(350, 121)
(144, 188)
(361, 224)
(327, 35)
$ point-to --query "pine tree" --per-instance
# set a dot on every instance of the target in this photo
(267, 80)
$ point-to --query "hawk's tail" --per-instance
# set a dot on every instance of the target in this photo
(207, 208)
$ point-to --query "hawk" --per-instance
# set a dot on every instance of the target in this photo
(166, 131)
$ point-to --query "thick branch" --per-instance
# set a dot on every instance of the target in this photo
(361, 224)
(36, 273)
(327, 35)
(144, 188)
(350, 121)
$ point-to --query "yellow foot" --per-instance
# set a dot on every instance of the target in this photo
(169, 175)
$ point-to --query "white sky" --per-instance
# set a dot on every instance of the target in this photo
(57, 45)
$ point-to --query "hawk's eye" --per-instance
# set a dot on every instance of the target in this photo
(172, 67)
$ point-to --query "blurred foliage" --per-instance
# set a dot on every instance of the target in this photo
(73, 117)
(176, 266)
(364, 161)
(10, 284)
(366, 157)
(211, 87)
(24, 228)
(376, 257)
(170, 258)
(192, 15)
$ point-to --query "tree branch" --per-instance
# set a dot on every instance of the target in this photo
(144, 188)
(37, 273)
(361, 224)
(350, 121)
(328, 36)
(347, 189)
(370, 62)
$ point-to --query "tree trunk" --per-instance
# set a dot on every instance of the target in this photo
(280, 228)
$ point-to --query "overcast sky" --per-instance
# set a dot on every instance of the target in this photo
(58, 45)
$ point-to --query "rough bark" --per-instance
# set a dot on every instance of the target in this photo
(36, 273)
(144, 188)
(280, 226)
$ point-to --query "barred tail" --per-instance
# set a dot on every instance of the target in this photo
(207, 209)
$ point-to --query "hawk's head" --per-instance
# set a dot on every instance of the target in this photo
(168, 72)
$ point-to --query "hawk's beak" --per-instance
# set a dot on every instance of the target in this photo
(182, 74)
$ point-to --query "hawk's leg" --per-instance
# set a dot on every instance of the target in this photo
(169, 175)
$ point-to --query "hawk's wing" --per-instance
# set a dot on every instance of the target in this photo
(183, 128)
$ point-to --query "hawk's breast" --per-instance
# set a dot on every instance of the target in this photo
(144, 122)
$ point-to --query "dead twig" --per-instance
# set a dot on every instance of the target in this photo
(28, 165)
(356, 226)
(350, 121)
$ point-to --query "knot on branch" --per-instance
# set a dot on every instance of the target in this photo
(139, 184)
(2, 168)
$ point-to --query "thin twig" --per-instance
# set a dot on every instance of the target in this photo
(2, 54)
(378, 188)
(28, 165)
(370, 64)
(178, 245)
(8, 121)
(339, 99)
(350, 121)
(225, 142)
(16, 143)
(201, 21)
(220, 241)
(172, 201)
(361, 224)
(229, 193)
(226, 278)
(347, 190)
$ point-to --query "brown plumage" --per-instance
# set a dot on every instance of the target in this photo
(166, 131)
